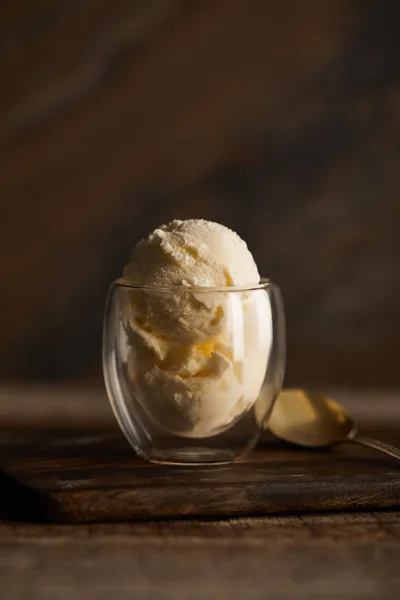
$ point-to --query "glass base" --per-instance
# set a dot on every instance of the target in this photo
(190, 455)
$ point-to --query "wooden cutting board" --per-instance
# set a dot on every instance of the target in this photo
(93, 475)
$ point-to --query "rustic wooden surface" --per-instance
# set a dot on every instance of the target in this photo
(279, 119)
(92, 476)
(336, 555)
(90, 473)
(346, 556)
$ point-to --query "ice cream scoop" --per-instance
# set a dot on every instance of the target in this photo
(192, 253)
(201, 357)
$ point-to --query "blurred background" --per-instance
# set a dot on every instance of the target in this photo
(278, 119)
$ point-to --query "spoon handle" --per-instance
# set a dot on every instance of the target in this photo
(377, 445)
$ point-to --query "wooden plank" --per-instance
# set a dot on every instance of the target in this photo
(80, 468)
(313, 556)
(346, 556)
(94, 475)
(353, 524)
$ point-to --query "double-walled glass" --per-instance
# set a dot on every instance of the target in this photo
(192, 373)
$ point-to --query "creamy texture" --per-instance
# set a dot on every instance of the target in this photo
(197, 359)
(192, 253)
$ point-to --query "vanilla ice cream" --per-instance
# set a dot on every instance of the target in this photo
(196, 357)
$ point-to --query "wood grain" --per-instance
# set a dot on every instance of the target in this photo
(63, 458)
(279, 119)
(94, 476)
(328, 556)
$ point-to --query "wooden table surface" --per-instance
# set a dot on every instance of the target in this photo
(354, 555)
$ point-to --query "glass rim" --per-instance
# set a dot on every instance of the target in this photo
(263, 284)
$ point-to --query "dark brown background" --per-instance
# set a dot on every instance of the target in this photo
(279, 119)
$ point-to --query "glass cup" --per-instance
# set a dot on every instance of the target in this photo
(192, 373)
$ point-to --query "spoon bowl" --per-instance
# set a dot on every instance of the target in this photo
(310, 419)
(313, 420)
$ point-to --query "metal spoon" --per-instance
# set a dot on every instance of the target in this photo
(310, 419)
